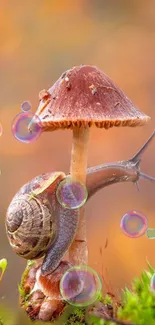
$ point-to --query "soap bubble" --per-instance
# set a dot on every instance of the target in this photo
(134, 224)
(25, 127)
(80, 286)
(26, 106)
(152, 283)
(71, 194)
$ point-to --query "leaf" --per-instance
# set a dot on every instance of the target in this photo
(152, 270)
(3, 265)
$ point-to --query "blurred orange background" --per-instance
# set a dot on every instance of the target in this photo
(39, 41)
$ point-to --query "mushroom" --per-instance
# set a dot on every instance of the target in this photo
(82, 97)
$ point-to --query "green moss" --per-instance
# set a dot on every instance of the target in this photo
(106, 300)
(137, 306)
(21, 289)
(77, 317)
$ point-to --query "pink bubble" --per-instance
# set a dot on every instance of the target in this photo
(25, 127)
(134, 224)
(26, 106)
(71, 194)
(80, 286)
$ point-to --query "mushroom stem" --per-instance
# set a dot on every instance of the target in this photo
(78, 252)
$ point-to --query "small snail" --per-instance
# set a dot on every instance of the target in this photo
(38, 225)
(36, 222)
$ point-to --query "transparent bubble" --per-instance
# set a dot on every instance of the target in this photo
(134, 224)
(25, 127)
(152, 283)
(26, 106)
(80, 286)
(71, 193)
(1, 130)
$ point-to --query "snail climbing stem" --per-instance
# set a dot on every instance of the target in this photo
(37, 225)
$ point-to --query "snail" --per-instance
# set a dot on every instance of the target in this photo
(37, 225)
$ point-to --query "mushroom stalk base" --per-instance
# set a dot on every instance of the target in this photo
(78, 252)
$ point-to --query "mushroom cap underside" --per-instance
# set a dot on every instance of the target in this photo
(85, 96)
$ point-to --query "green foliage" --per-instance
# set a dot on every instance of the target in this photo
(137, 307)
(3, 266)
(138, 304)
(106, 300)
(21, 290)
(77, 317)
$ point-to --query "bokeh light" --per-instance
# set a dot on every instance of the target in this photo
(80, 286)
(25, 127)
(71, 194)
(26, 106)
(134, 224)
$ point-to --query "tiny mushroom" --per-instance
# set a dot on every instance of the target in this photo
(82, 97)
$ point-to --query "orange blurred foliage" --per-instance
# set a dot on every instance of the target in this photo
(40, 40)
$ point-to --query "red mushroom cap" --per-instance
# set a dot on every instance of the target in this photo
(86, 96)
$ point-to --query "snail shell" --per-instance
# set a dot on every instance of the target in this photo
(37, 225)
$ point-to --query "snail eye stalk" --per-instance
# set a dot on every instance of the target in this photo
(137, 158)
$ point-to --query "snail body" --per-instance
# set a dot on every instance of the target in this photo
(37, 225)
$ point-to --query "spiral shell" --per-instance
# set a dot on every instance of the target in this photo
(31, 222)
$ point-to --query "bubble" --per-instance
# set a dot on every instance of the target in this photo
(1, 130)
(80, 286)
(25, 127)
(26, 106)
(152, 283)
(134, 224)
(71, 194)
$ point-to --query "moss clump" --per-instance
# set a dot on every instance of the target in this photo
(24, 290)
(76, 317)
(137, 307)
(138, 304)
